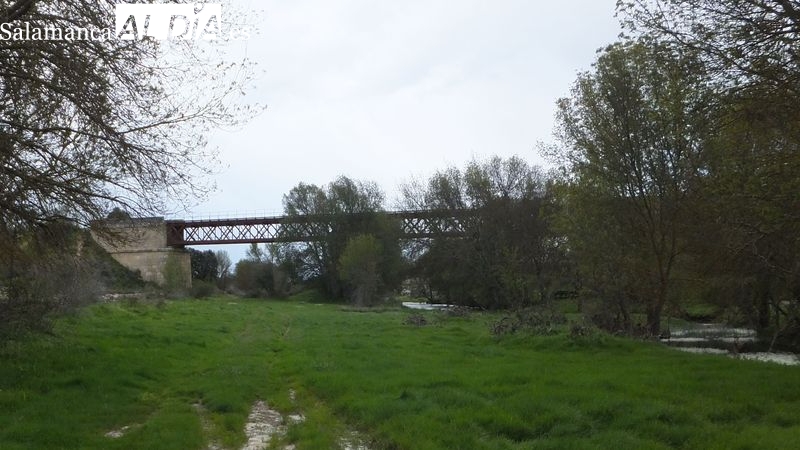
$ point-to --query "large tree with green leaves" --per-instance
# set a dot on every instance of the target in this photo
(335, 214)
(750, 51)
(752, 206)
(632, 138)
(507, 257)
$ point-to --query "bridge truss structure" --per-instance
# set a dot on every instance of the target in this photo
(306, 228)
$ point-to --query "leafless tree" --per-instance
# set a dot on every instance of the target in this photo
(89, 124)
(92, 122)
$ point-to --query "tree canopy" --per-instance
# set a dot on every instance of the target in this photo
(343, 209)
(633, 135)
(744, 42)
(507, 257)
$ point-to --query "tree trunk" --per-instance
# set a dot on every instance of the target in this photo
(654, 312)
(626, 316)
(654, 320)
(763, 303)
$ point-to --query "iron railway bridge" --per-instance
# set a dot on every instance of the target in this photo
(305, 228)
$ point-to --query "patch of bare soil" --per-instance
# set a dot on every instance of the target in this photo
(352, 442)
(119, 432)
(262, 424)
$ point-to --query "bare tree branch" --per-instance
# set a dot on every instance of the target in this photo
(16, 11)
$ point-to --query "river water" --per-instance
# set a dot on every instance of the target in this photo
(741, 343)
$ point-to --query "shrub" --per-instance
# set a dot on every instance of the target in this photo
(202, 289)
(359, 267)
(540, 320)
(254, 278)
(41, 281)
(176, 278)
(579, 330)
(415, 319)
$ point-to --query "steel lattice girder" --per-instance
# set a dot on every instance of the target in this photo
(413, 224)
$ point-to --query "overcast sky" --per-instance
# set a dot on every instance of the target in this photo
(390, 90)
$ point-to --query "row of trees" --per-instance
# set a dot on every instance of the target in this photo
(506, 257)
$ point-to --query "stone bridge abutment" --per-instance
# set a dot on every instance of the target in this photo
(140, 244)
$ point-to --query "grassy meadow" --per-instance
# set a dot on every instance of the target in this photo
(447, 385)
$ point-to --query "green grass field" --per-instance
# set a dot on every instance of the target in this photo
(446, 385)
